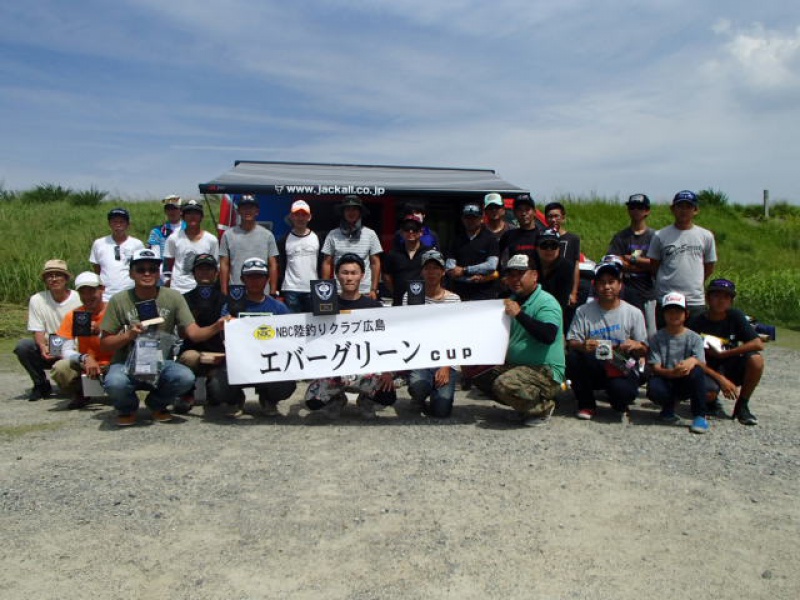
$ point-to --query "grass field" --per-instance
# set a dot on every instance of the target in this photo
(760, 255)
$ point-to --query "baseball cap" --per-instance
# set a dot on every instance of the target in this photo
(255, 266)
(471, 210)
(204, 259)
(518, 262)
(638, 200)
(548, 235)
(192, 205)
(674, 299)
(145, 255)
(433, 255)
(524, 199)
(411, 223)
(722, 285)
(171, 200)
(247, 199)
(56, 265)
(685, 196)
(87, 279)
(493, 199)
(300, 206)
(610, 262)
(119, 212)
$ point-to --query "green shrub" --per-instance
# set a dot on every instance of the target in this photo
(90, 197)
(46, 193)
(712, 197)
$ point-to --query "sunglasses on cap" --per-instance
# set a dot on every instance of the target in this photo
(254, 264)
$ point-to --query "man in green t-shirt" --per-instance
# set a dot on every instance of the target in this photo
(534, 368)
(122, 326)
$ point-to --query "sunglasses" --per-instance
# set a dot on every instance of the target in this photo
(258, 264)
(548, 246)
(411, 229)
(143, 270)
(637, 207)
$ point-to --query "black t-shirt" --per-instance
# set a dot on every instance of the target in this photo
(403, 269)
(206, 304)
(518, 241)
(571, 248)
(558, 281)
(363, 301)
(733, 330)
(468, 252)
(627, 242)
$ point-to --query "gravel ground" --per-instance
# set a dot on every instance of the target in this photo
(399, 507)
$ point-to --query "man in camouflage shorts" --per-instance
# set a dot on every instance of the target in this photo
(531, 377)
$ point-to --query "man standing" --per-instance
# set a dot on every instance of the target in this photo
(81, 352)
(254, 276)
(605, 340)
(353, 237)
(631, 245)
(247, 239)
(416, 209)
(472, 261)
(402, 266)
(531, 377)
(556, 216)
(121, 329)
(683, 254)
(495, 209)
(299, 257)
(523, 239)
(160, 233)
(46, 310)
(328, 394)
(111, 255)
(736, 362)
(184, 245)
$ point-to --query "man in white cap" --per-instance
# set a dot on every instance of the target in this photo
(299, 259)
(184, 245)
(46, 310)
(80, 331)
(494, 208)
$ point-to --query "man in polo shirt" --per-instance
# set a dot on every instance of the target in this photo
(473, 257)
(122, 327)
(603, 337)
(81, 354)
(353, 237)
(111, 255)
(531, 377)
(46, 310)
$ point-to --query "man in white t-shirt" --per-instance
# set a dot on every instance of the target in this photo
(111, 255)
(184, 245)
(46, 310)
(299, 258)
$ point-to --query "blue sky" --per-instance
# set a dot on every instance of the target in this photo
(146, 97)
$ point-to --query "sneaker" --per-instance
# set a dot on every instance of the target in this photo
(183, 404)
(78, 401)
(714, 409)
(538, 420)
(126, 420)
(40, 391)
(269, 408)
(366, 407)
(699, 425)
(625, 417)
(668, 417)
(585, 414)
(162, 416)
(745, 417)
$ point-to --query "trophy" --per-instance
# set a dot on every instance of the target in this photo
(416, 292)
(324, 300)
(81, 323)
(55, 345)
(236, 300)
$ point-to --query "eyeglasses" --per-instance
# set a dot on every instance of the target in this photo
(145, 269)
(254, 264)
(555, 215)
(54, 275)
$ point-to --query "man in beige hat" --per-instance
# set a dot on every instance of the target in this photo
(46, 310)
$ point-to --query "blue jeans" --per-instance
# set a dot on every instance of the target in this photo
(173, 381)
(665, 392)
(421, 385)
(297, 302)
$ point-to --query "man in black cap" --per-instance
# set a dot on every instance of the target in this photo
(183, 245)
(473, 258)
(353, 237)
(402, 266)
(111, 255)
(521, 240)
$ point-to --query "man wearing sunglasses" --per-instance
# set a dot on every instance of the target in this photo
(737, 361)
(402, 266)
(110, 255)
(121, 327)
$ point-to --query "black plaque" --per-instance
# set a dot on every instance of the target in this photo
(55, 345)
(236, 299)
(147, 310)
(81, 323)
(416, 292)
(324, 300)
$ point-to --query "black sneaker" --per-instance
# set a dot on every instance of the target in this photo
(714, 409)
(40, 391)
(745, 417)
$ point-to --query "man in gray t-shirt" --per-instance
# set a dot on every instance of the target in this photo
(683, 254)
(243, 241)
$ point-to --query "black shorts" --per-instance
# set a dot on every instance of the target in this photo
(732, 368)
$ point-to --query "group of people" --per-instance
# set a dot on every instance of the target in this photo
(152, 317)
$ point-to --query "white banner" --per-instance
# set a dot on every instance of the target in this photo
(302, 346)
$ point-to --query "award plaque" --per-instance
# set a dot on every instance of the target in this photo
(148, 313)
(324, 300)
(236, 300)
(81, 323)
(416, 292)
(55, 345)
